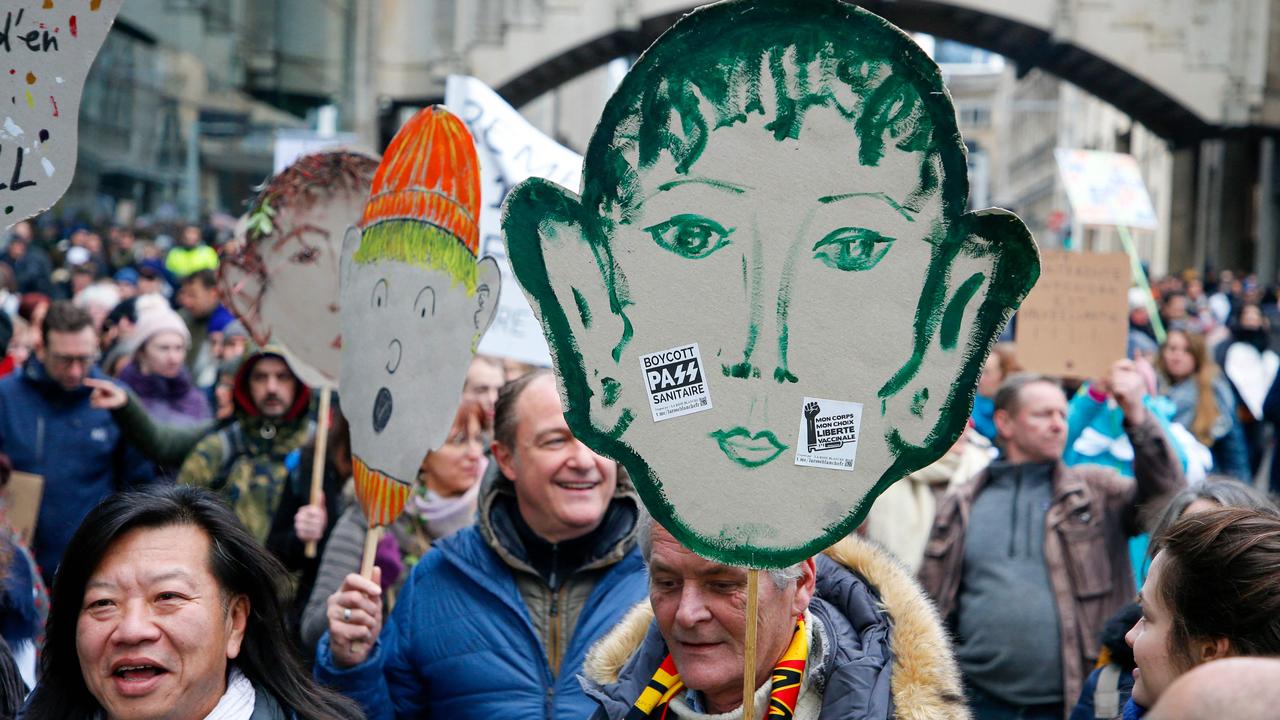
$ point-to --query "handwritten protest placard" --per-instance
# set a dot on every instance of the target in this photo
(1073, 323)
(20, 500)
(46, 48)
(511, 150)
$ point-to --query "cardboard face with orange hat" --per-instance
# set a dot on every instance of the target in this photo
(415, 301)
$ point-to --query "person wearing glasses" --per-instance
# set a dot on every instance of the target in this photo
(48, 427)
(443, 502)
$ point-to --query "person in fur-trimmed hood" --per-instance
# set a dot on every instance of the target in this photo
(845, 635)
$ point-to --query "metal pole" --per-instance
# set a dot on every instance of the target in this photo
(1265, 262)
(193, 170)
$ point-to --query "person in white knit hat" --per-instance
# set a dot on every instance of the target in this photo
(156, 374)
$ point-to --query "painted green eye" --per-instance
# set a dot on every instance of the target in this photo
(690, 236)
(852, 249)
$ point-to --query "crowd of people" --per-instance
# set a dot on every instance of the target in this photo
(167, 576)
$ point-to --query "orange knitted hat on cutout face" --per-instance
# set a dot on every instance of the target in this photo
(429, 173)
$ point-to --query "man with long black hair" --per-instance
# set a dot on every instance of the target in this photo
(166, 607)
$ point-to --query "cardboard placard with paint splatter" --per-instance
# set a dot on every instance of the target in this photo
(46, 49)
(781, 186)
(415, 302)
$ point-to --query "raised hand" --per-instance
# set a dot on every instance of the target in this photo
(1129, 387)
(810, 410)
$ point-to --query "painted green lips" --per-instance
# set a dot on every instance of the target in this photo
(746, 449)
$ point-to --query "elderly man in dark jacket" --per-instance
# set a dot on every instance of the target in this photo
(842, 636)
(1029, 559)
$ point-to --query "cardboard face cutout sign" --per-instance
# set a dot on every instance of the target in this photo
(415, 302)
(282, 282)
(46, 48)
(769, 302)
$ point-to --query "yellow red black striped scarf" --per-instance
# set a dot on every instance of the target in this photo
(654, 701)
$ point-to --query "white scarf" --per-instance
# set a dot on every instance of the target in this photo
(238, 701)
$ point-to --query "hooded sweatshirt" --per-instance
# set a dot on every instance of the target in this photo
(248, 461)
(1008, 616)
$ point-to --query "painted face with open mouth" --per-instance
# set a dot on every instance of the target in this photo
(409, 332)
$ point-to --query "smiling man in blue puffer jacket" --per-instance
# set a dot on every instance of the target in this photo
(495, 620)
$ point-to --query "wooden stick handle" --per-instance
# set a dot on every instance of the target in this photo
(749, 650)
(318, 459)
(371, 540)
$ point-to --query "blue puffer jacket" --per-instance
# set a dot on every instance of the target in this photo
(53, 432)
(461, 643)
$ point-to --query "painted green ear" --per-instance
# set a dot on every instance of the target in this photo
(994, 265)
(993, 270)
(572, 288)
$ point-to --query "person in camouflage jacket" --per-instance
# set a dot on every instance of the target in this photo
(247, 462)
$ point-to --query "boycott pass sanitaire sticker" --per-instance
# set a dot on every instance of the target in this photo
(675, 382)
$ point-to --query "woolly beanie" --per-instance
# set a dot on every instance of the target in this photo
(431, 174)
(425, 199)
(151, 322)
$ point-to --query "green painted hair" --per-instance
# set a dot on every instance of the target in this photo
(708, 72)
(418, 243)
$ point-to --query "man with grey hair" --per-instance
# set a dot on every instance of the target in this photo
(834, 634)
(1028, 560)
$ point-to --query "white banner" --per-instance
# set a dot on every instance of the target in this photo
(292, 144)
(511, 150)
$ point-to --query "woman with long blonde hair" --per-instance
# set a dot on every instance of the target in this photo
(1203, 400)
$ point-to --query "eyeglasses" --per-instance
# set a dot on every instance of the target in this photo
(64, 360)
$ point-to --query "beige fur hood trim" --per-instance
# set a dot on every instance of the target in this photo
(926, 681)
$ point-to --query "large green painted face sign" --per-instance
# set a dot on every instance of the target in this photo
(769, 302)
